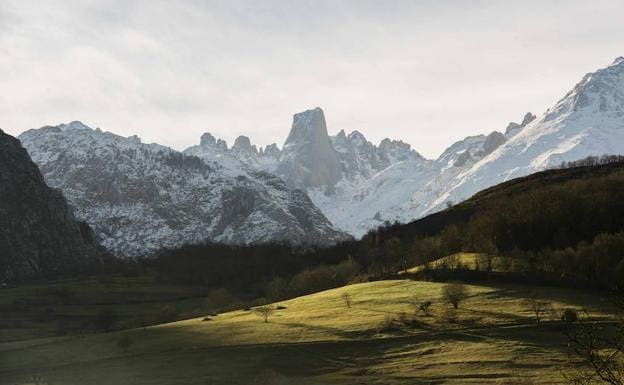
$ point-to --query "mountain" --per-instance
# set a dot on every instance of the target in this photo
(308, 159)
(589, 120)
(392, 182)
(38, 232)
(140, 198)
(317, 185)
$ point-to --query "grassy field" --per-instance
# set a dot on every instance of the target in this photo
(317, 339)
(473, 261)
(72, 306)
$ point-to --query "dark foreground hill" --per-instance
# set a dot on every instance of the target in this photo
(38, 232)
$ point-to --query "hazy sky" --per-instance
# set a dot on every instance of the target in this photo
(426, 72)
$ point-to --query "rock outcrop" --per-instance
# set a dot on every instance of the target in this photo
(39, 234)
(308, 159)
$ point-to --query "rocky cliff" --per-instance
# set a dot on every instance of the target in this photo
(39, 234)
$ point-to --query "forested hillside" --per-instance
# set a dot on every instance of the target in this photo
(567, 223)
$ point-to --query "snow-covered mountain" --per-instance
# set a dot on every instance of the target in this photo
(143, 197)
(359, 185)
(589, 120)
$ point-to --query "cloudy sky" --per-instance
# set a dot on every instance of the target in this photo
(426, 72)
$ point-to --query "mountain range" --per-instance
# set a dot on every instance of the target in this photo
(316, 189)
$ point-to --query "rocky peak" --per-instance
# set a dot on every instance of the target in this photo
(207, 140)
(357, 138)
(494, 140)
(272, 151)
(513, 128)
(528, 118)
(75, 125)
(243, 144)
(308, 158)
(396, 150)
(340, 141)
(600, 93)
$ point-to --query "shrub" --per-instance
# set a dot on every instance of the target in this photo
(454, 294)
(569, 316)
(424, 307)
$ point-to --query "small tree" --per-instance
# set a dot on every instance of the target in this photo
(346, 297)
(264, 311)
(424, 307)
(454, 294)
(124, 343)
(538, 307)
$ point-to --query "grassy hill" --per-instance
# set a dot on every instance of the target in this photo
(317, 339)
(471, 261)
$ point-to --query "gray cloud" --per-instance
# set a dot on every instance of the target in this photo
(427, 72)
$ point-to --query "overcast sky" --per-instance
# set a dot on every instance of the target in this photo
(426, 72)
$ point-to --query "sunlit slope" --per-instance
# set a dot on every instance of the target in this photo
(474, 261)
(485, 338)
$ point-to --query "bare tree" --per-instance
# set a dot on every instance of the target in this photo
(600, 348)
(419, 306)
(538, 307)
(454, 294)
(346, 297)
(601, 352)
(264, 311)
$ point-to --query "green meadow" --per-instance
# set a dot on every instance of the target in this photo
(492, 338)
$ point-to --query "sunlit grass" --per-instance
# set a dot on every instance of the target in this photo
(484, 338)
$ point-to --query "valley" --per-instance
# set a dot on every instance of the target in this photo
(316, 339)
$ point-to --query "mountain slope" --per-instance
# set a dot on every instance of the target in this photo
(38, 232)
(375, 187)
(589, 120)
(140, 197)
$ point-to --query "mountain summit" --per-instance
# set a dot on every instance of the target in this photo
(308, 158)
(588, 120)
